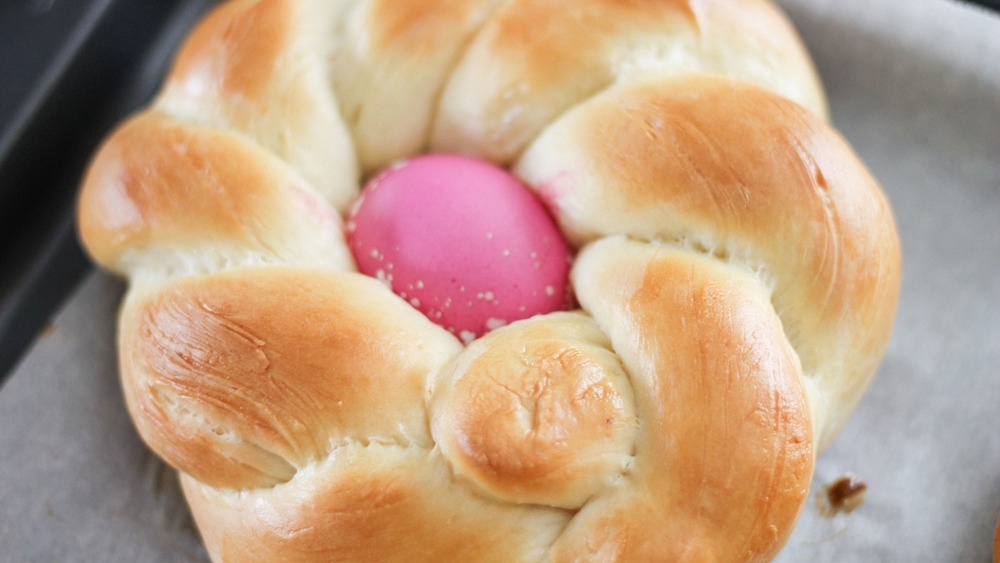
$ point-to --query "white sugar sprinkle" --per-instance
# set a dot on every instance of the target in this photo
(467, 336)
(383, 277)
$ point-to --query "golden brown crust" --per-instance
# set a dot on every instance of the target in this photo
(537, 412)
(725, 449)
(729, 169)
(259, 67)
(422, 28)
(237, 48)
(171, 197)
(241, 378)
(535, 59)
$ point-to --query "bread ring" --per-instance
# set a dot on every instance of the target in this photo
(736, 278)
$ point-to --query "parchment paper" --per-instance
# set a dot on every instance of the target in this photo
(914, 85)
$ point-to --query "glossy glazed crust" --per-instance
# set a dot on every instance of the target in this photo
(731, 170)
(164, 198)
(535, 59)
(246, 376)
(540, 412)
(724, 448)
(737, 277)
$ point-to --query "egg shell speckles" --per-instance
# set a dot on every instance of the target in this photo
(461, 240)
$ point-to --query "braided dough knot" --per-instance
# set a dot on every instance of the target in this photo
(737, 275)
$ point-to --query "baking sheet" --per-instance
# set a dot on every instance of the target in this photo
(915, 87)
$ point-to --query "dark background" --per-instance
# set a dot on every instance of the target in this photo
(69, 71)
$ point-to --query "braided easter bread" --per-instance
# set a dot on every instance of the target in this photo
(733, 287)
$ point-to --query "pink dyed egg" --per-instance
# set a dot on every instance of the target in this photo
(461, 240)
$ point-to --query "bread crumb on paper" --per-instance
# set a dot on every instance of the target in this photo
(841, 496)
